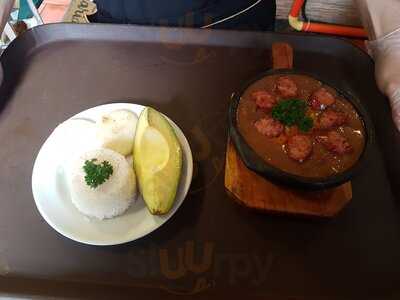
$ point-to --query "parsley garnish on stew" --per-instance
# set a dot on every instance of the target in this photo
(293, 112)
(97, 174)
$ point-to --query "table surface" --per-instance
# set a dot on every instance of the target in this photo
(212, 247)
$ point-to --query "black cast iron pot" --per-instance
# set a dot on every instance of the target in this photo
(261, 167)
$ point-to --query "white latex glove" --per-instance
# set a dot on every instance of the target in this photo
(386, 53)
(382, 22)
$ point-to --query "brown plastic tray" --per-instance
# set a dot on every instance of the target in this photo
(211, 247)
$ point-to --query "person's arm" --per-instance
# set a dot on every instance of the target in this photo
(5, 10)
(382, 21)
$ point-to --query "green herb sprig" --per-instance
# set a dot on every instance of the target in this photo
(293, 112)
(97, 174)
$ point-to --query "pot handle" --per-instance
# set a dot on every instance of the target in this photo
(282, 56)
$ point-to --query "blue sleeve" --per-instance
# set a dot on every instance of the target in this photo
(24, 10)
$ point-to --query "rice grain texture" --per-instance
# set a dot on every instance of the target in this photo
(110, 199)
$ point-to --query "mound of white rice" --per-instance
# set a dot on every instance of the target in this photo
(109, 199)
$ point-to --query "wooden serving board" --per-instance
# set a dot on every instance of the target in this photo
(255, 192)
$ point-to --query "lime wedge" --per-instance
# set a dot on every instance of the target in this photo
(157, 159)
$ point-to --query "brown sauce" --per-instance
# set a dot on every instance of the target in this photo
(321, 162)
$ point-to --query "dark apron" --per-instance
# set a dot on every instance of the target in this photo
(187, 13)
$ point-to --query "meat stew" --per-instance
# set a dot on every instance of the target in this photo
(300, 126)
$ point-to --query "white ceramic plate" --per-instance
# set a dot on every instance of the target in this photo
(51, 193)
